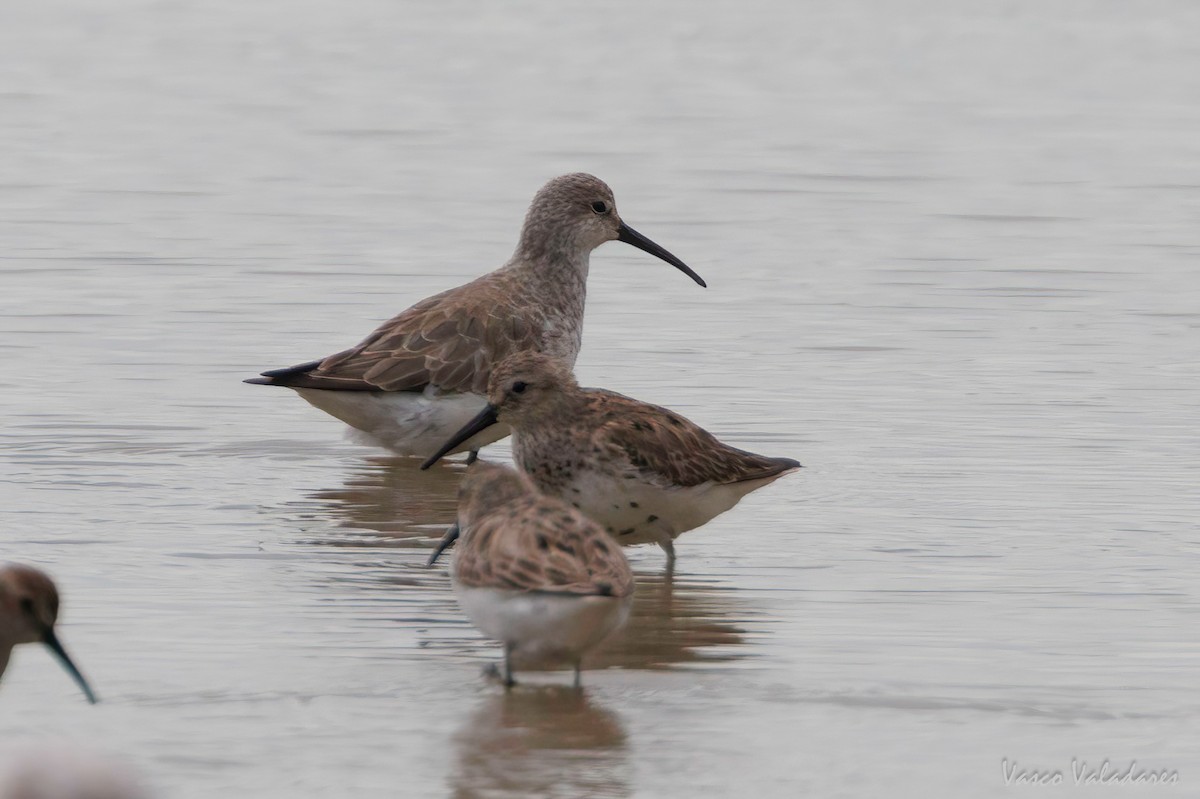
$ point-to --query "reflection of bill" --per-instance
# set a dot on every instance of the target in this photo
(676, 621)
(541, 741)
(389, 497)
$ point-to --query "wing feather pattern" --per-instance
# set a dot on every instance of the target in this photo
(668, 450)
(539, 544)
(449, 340)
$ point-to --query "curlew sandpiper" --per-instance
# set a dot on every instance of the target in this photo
(532, 572)
(28, 610)
(422, 374)
(644, 472)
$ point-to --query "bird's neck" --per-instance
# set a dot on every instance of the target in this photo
(564, 265)
(557, 281)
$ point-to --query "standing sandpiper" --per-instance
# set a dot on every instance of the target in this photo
(532, 572)
(645, 473)
(28, 610)
(421, 375)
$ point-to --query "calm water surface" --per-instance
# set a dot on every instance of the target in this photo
(953, 264)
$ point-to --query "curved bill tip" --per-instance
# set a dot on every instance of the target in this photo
(447, 541)
(52, 642)
(485, 419)
(630, 236)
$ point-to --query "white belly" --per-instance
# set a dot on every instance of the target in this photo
(543, 626)
(407, 422)
(638, 513)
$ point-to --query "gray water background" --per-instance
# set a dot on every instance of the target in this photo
(953, 261)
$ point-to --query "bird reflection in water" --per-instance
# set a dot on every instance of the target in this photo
(389, 502)
(541, 741)
(674, 621)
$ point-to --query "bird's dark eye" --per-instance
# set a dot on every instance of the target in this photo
(599, 207)
(519, 387)
(26, 605)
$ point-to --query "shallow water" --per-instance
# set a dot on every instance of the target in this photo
(952, 255)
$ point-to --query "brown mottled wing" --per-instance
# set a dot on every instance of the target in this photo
(669, 450)
(545, 546)
(451, 340)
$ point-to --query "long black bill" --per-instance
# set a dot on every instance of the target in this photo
(630, 236)
(447, 541)
(485, 419)
(51, 641)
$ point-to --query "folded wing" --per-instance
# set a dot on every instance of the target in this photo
(543, 546)
(451, 345)
(669, 450)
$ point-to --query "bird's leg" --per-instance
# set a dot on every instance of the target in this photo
(578, 675)
(667, 542)
(472, 456)
(509, 682)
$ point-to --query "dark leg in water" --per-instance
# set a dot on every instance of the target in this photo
(472, 456)
(509, 682)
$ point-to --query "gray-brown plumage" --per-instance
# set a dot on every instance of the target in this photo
(533, 572)
(642, 471)
(449, 340)
(423, 373)
(28, 612)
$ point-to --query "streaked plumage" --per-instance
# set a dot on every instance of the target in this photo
(644, 472)
(28, 611)
(424, 373)
(534, 573)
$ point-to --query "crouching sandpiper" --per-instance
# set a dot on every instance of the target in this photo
(645, 473)
(534, 573)
(28, 611)
(424, 373)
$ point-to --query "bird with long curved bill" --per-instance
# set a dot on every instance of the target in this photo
(424, 373)
(28, 612)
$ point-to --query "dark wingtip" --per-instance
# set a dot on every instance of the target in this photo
(283, 376)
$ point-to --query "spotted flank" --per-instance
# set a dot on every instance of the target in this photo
(643, 472)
